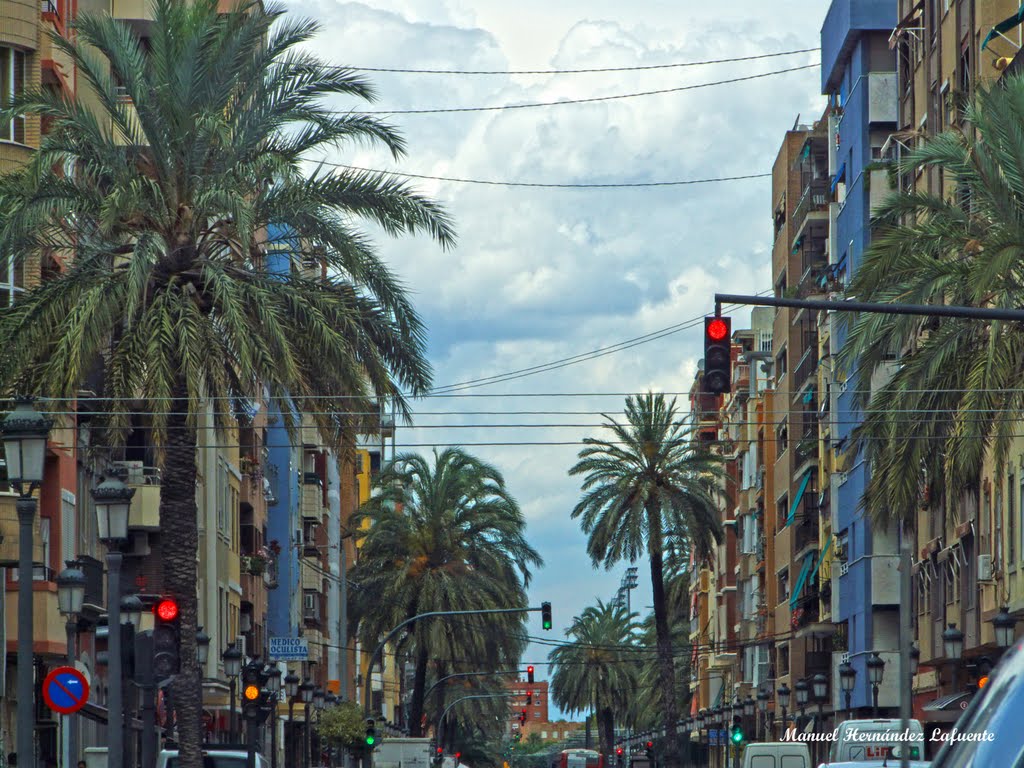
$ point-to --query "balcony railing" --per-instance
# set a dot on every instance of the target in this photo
(814, 198)
(807, 366)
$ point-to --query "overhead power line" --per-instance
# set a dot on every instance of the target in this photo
(577, 71)
(549, 185)
(591, 100)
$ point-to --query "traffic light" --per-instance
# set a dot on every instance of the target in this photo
(736, 737)
(717, 355)
(529, 674)
(545, 615)
(458, 755)
(371, 733)
(166, 639)
(650, 751)
(529, 698)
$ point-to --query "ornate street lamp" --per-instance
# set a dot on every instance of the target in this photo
(232, 658)
(876, 670)
(202, 647)
(306, 693)
(131, 611)
(291, 690)
(274, 686)
(1004, 625)
(748, 706)
(24, 432)
(915, 659)
(113, 500)
(70, 598)
(820, 685)
(762, 706)
(783, 694)
(847, 681)
(802, 693)
(953, 644)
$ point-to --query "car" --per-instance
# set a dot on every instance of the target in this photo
(989, 732)
(213, 757)
(864, 741)
(777, 754)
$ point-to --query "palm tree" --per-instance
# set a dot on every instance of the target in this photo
(191, 156)
(598, 669)
(653, 479)
(443, 536)
(955, 395)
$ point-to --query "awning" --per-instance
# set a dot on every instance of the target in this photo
(910, 20)
(840, 175)
(947, 703)
(808, 562)
(1004, 26)
(799, 496)
(828, 545)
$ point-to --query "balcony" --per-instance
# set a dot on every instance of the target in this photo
(145, 510)
(808, 364)
(312, 497)
(813, 205)
(741, 378)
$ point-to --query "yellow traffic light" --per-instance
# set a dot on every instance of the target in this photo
(251, 692)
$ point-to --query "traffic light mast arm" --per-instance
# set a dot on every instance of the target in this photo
(475, 696)
(469, 674)
(379, 650)
(924, 310)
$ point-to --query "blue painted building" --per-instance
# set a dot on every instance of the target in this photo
(858, 74)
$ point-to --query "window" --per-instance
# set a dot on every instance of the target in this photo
(12, 82)
(998, 519)
(780, 365)
(783, 660)
(951, 575)
(1011, 523)
(12, 279)
(985, 524)
(782, 512)
(784, 586)
(782, 438)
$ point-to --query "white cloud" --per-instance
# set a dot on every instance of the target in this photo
(540, 274)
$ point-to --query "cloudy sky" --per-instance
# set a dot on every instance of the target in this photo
(541, 275)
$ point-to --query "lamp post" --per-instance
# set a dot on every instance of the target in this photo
(24, 432)
(70, 597)
(1004, 625)
(291, 690)
(783, 698)
(306, 692)
(319, 702)
(202, 647)
(131, 619)
(847, 681)
(274, 686)
(232, 658)
(876, 670)
(802, 690)
(819, 684)
(762, 706)
(113, 501)
(915, 659)
(953, 644)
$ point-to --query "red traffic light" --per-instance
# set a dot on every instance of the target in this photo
(440, 750)
(717, 329)
(167, 609)
(458, 755)
(650, 744)
(618, 751)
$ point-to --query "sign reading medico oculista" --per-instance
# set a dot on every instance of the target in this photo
(289, 649)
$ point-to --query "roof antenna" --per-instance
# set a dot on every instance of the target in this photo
(797, 121)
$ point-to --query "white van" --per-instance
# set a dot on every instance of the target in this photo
(863, 740)
(777, 754)
(212, 758)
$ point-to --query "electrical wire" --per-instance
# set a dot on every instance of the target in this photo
(548, 185)
(591, 100)
(576, 71)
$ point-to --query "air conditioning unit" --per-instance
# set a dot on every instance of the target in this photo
(984, 567)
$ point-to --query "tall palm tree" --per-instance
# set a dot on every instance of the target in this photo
(193, 151)
(444, 535)
(652, 478)
(955, 395)
(598, 670)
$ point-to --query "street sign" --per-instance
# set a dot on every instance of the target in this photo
(65, 690)
(289, 649)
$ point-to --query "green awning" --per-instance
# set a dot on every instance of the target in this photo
(824, 552)
(1005, 26)
(808, 562)
(799, 496)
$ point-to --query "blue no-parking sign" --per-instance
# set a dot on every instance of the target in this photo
(65, 690)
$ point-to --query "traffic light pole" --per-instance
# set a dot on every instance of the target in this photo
(467, 698)
(468, 674)
(922, 310)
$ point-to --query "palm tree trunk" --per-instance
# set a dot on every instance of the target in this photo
(608, 734)
(666, 663)
(179, 536)
(419, 685)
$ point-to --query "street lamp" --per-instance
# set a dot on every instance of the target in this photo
(113, 500)
(24, 432)
(953, 644)
(70, 598)
(748, 706)
(820, 685)
(306, 692)
(915, 659)
(847, 681)
(762, 705)
(274, 686)
(876, 669)
(232, 658)
(291, 690)
(202, 647)
(802, 691)
(783, 699)
(1004, 625)
(131, 611)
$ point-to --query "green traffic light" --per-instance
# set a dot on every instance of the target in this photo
(737, 736)
(370, 741)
